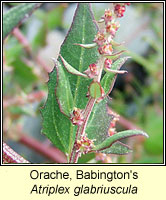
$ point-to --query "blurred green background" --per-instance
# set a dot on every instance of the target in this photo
(137, 96)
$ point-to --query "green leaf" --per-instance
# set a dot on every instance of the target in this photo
(95, 90)
(54, 122)
(118, 136)
(71, 69)
(56, 126)
(98, 127)
(15, 15)
(100, 118)
(85, 158)
(63, 91)
(108, 80)
(83, 31)
(99, 122)
(117, 148)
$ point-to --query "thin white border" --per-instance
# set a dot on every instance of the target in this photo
(132, 164)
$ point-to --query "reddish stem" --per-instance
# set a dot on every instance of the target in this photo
(10, 156)
(81, 129)
(22, 39)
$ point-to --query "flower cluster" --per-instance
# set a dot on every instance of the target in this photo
(112, 27)
(77, 117)
(106, 49)
(103, 37)
(92, 70)
(100, 38)
(119, 9)
(84, 145)
(107, 63)
(112, 129)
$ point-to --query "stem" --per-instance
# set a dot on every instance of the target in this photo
(104, 51)
(81, 129)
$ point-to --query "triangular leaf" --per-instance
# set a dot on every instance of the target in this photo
(57, 126)
(82, 31)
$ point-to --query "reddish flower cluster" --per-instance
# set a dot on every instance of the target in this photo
(111, 28)
(104, 37)
(108, 16)
(84, 145)
(111, 25)
(119, 9)
(105, 49)
(107, 63)
(77, 117)
(100, 38)
(92, 70)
